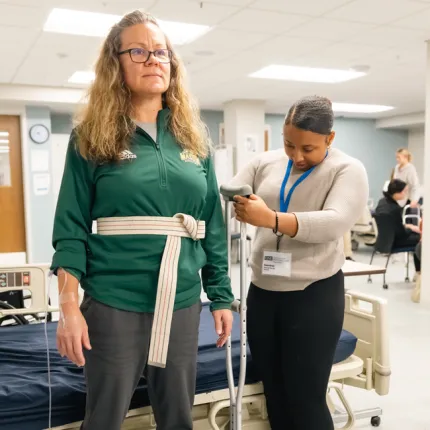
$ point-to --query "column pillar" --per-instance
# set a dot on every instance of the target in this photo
(425, 257)
(244, 130)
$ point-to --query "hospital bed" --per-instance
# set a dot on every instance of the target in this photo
(361, 361)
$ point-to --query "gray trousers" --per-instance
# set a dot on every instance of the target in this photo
(118, 358)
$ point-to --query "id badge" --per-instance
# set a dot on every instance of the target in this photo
(276, 264)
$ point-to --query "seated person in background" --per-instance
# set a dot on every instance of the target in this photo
(404, 235)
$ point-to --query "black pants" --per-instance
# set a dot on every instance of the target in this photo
(412, 240)
(293, 338)
(120, 344)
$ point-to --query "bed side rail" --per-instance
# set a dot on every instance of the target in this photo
(366, 317)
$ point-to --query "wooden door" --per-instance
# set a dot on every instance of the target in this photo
(12, 220)
(266, 140)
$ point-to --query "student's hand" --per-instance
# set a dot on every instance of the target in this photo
(413, 204)
(414, 228)
(254, 211)
(223, 324)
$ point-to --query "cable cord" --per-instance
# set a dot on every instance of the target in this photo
(48, 355)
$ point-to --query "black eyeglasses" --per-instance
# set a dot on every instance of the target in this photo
(141, 55)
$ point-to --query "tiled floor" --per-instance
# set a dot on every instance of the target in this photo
(407, 406)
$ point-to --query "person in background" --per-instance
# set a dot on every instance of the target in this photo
(404, 235)
(407, 172)
(302, 205)
(139, 163)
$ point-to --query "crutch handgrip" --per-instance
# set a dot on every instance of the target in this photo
(235, 306)
(229, 191)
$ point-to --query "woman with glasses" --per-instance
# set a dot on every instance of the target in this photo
(306, 196)
(138, 164)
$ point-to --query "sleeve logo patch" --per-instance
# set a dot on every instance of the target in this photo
(189, 157)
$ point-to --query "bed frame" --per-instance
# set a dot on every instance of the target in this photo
(367, 369)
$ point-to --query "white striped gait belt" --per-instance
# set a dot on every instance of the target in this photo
(174, 228)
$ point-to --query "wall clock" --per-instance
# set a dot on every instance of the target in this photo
(39, 133)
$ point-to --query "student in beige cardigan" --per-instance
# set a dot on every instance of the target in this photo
(406, 172)
(296, 298)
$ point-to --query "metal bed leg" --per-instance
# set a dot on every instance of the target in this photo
(228, 194)
(369, 279)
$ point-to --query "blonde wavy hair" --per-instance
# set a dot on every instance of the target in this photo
(104, 127)
(406, 153)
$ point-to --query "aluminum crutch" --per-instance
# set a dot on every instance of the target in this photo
(228, 192)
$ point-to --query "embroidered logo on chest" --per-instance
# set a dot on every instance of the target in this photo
(189, 157)
(127, 155)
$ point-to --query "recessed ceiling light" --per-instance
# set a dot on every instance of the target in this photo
(98, 25)
(82, 77)
(306, 74)
(360, 108)
(361, 68)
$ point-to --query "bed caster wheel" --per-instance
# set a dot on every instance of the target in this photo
(385, 286)
(407, 279)
(375, 421)
(370, 281)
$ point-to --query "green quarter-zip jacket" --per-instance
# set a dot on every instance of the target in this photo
(154, 178)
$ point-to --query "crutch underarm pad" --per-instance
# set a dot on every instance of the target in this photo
(229, 191)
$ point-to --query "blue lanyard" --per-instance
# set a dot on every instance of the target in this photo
(284, 204)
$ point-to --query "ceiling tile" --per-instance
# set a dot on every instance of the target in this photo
(227, 40)
(279, 50)
(263, 22)
(16, 50)
(329, 29)
(417, 21)
(285, 49)
(390, 37)
(391, 59)
(22, 16)
(191, 12)
(55, 57)
(27, 2)
(302, 7)
(376, 11)
(228, 2)
(119, 7)
(339, 55)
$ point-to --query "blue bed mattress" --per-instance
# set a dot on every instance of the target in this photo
(24, 381)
